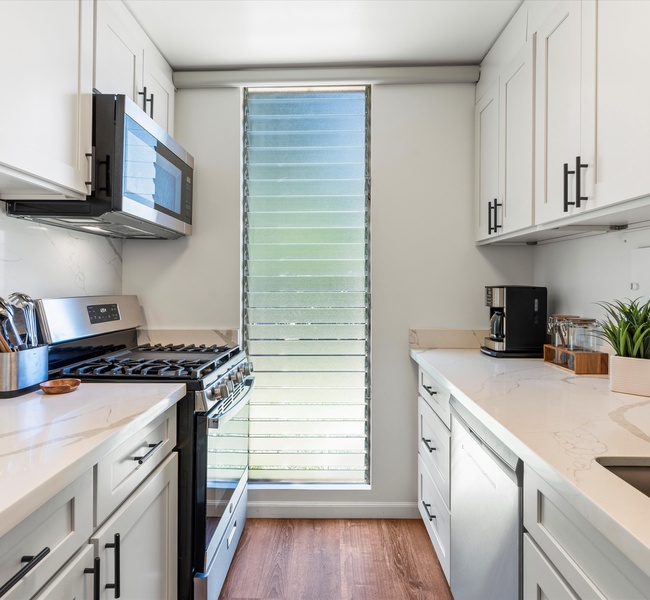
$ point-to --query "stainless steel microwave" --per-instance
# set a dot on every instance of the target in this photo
(141, 185)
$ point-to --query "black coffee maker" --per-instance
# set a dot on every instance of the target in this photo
(517, 321)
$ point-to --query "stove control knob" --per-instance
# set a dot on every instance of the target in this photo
(230, 386)
(220, 392)
(238, 377)
(247, 368)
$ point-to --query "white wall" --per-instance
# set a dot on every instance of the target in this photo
(426, 271)
(580, 272)
(49, 262)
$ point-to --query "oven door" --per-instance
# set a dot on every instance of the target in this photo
(225, 475)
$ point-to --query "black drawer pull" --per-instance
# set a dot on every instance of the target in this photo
(429, 389)
(95, 574)
(427, 444)
(115, 586)
(148, 455)
(579, 196)
(31, 561)
(426, 509)
(566, 187)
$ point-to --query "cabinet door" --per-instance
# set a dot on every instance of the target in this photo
(75, 581)
(541, 580)
(47, 50)
(160, 91)
(616, 57)
(143, 534)
(119, 52)
(486, 122)
(516, 146)
(558, 110)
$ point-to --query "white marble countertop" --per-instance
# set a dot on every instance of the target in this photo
(47, 441)
(559, 423)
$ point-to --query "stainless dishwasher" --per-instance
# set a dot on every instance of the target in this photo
(486, 512)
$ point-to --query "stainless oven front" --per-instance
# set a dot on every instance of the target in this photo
(222, 473)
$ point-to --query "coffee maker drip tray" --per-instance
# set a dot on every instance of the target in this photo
(512, 353)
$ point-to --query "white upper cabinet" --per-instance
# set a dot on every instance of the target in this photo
(486, 177)
(593, 114)
(558, 111)
(126, 62)
(616, 117)
(45, 116)
(516, 141)
(504, 150)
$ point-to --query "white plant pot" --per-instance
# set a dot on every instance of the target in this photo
(629, 375)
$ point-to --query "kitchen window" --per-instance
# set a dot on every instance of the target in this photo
(306, 278)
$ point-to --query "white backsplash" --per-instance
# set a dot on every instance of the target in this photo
(50, 262)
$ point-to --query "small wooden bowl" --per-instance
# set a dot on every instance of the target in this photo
(60, 386)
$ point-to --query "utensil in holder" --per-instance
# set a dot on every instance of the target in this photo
(22, 371)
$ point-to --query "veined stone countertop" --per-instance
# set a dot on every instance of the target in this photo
(559, 423)
(47, 441)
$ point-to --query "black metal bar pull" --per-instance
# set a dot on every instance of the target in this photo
(146, 100)
(429, 389)
(426, 509)
(496, 213)
(489, 217)
(427, 443)
(148, 455)
(579, 196)
(95, 573)
(31, 561)
(566, 187)
(115, 586)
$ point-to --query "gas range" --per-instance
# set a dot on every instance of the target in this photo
(95, 339)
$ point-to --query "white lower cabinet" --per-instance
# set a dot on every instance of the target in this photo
(433, 464)
(54, 554)
(577, 554)
(137, 545)
(541, 579)
(76, 581)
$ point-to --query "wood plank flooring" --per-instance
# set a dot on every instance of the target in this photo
(335, 559)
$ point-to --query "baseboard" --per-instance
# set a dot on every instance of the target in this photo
(333, 510)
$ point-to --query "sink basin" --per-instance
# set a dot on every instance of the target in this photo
(635, 471)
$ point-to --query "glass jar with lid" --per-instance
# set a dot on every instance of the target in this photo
(582, 335)
(558, 329)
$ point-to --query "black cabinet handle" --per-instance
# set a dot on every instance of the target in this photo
(496, 215)
(146, 100)
(31, 561)
(95, 574)
(429, 389)
(566, 187)
(489, 217)
(579, 196)
(426, 509)
(115, 586)
(148, 455)
(427, 443)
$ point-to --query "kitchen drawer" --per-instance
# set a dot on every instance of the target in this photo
(590, 563)
(436, 395)
(541, 580)
(55, 531)
(125, 468)
(435, 515)
(76, 580)
(433, 446)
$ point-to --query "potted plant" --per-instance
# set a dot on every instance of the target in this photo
(627, 329)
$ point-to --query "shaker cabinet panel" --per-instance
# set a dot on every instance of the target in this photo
(617, 115)
(75, 581)
(541, 580)
(516, 145)
(127, 62)
(137, 546)
(558, 104)
(47, 50)
(486, 176)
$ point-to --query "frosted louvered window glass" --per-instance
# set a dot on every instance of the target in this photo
(306, 282)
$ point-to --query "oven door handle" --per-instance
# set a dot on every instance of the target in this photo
(234, 409)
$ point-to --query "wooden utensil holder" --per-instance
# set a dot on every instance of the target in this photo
(580, 363)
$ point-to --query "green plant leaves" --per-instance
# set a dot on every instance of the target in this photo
(627, 327)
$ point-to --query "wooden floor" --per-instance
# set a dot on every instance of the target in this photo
(335, 559)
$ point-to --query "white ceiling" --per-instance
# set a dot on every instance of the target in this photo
(238, 34)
